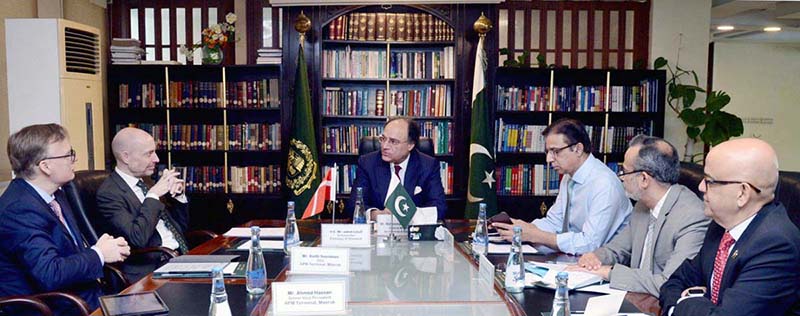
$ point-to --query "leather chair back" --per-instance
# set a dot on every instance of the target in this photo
(369, 144)
(82, 195)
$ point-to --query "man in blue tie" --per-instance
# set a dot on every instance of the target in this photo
(591, 206)
(41, 247)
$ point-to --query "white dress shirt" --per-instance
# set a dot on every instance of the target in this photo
(167, 238)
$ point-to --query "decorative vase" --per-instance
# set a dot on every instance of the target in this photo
(212, 55)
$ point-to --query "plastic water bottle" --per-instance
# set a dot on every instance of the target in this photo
(359, 213)
(256, 277)
(515, 266)
(219, 298)
(480, 238)
(561, 298)
(291, 235)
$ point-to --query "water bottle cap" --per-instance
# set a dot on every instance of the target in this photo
(517, 230)
(290, 203)
(216, 270)
(562, 275)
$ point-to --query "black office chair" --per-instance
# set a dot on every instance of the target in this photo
(368, 144)
(38, 303)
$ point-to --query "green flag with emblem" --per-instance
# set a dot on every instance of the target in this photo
(303, 171)
(481, 187)
(401, 205)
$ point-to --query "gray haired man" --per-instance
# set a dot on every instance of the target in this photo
(667, 224)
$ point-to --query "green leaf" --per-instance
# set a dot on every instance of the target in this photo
(693, 117)
(692, 132)
(504, 51)
(689, 97)
(717, 100)
(696, 81)
(733, 124)
(659, 63)
(677, 91)
(713, 133)
(541, 60)
(509, 63)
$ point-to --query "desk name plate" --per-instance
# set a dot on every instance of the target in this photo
(346, 235)
(485, 271)
(309, 298)
(320, 260)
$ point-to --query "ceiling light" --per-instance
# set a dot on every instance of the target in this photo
(725, 28)
(772, 29)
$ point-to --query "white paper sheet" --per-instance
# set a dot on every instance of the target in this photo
(265, 245)
(506, 248)
(605, 305)
(266, 232)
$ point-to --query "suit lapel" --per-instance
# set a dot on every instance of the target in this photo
(741, 245)
(666, 208)
(46, 208)
(639, 222)
(125, 189)
(383, 173)
(69, 217)
(410, 179)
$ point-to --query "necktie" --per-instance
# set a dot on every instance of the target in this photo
(182, 245)
(565, 225)
(57, 210)
(647, 251)
(719, 264)
(397, 171)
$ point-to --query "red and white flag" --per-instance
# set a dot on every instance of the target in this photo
(325, 192)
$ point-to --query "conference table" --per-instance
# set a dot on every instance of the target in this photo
(390, 278)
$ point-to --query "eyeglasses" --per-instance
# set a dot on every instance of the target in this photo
(621, 172)
(556, 151)
(72, 156)
(394, 142)
(709, 181)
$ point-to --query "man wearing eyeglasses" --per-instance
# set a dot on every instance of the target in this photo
(398, 157)
(666, 227)
(591, 205)
(748, 264)
(41, 246)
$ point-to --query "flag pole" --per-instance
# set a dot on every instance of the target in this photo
(332, 196)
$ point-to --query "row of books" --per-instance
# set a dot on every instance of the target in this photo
(521, 138)
(432, 100)
(344, 139)
(360, 102)
(527, 180)
(158, 131)
(144, 95)
(423, 65)
(619, 137)
(347, 174)
(255, 179)
(197, 137)
(205, 179)
(196, 94)
(257, 94)
(439, 132)
(372, 26)
(254, 136)
(642, 98)
(346, 63)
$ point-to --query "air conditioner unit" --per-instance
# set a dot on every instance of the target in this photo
(54, 76)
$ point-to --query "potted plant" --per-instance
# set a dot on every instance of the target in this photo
(707, 123)
(214, 39)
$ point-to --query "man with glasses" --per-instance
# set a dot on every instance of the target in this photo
(134, 209)
(666, 227)
(398, 157)
(41, 246)
(748, 264)
(591, 205)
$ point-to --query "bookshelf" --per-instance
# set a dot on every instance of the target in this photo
(615, 105)
(376, 63)
(223, 124)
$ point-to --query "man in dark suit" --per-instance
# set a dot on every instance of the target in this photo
(134, 210)
(41, 247)
(748, 264)
(419, 173)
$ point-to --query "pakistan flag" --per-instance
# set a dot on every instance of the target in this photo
(401, 205)
(481, 160)
(303, 172)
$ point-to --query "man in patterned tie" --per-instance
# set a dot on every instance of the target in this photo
(41, 246)
(748, 264)
(591, 206)
(667, 225)
(135, 210)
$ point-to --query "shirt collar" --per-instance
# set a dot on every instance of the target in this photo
(45, 196)
(657, 210)
(584, 170)
(739, 229)
(404, 164)
(129, 179)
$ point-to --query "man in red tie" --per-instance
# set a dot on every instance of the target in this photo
(41, 246)
(749, 263)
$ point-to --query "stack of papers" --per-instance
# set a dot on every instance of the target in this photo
(266, 232)
(189, 266)
(544, 275)
(269, 56)
(126, 51)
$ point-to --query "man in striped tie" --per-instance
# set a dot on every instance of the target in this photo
(748, 264)
(146, 215)
(41, 246)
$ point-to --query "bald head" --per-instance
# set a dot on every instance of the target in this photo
(747, 159)
(134, 150)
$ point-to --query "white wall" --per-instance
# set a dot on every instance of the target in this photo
(763, 81)
(681, 26)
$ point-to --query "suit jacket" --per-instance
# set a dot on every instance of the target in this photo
(37, 253)
(678, 234)
(373, 175)
(125, 216)
(761, 276)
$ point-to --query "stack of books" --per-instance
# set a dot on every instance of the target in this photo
(126, 51)
(270, 56)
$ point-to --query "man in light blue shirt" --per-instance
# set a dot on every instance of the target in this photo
(590, 197)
